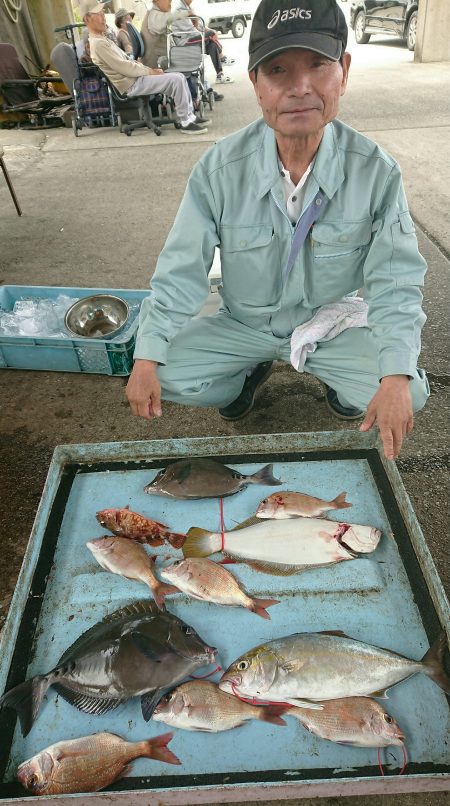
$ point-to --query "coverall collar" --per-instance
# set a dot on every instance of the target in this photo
(328, 170)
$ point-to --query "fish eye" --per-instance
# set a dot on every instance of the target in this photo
(188, 630)
(265, 501)
(243, 665)
(33, 780)
(388, 719)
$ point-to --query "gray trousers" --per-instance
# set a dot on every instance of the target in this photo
(172, 84)
(208, 361)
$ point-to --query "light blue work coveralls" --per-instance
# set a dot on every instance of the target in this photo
(365, 239)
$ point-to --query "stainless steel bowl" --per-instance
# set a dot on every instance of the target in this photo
(97, 317)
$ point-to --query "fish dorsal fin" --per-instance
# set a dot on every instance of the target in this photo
(248, 522)
(336, 632)
(142, 608)
(274, 569)
(87, 703)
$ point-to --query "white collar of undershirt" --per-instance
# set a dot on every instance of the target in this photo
(294, 194)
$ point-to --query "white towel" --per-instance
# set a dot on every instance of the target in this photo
(327, 322)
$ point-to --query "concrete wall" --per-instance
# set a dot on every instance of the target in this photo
(433, 31)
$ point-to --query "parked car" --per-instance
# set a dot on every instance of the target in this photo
(226, 15)
(397, 17)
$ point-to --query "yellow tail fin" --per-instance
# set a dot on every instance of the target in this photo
(200, 543)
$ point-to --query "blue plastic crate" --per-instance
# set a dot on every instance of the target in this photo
(100, 356)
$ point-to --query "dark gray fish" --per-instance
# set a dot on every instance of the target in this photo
(138, 650)
(205, 478)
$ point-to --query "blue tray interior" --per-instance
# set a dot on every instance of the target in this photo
(370, 599)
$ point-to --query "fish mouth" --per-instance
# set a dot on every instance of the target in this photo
(230, 682)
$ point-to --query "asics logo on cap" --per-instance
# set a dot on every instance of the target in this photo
(289, 14)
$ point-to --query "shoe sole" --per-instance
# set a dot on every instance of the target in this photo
(249, 408)
(202, 131)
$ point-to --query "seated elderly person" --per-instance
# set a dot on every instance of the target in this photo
(186, 30)
(122, 18)
(132, 78)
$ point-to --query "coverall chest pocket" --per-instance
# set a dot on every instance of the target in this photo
(250, 258)
(338, 254)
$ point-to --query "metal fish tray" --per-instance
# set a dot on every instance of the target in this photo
(393, 599)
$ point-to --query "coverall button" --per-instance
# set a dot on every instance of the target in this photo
(242, 243)
(318, 202)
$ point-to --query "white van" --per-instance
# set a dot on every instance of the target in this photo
(226, 15)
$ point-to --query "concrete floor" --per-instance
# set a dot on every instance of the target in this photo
(97, 210)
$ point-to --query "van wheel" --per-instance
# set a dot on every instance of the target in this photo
(238, 28)
(411, 31)
(360, 25)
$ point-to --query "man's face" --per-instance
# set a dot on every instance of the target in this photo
(298, 91)
(96, 22)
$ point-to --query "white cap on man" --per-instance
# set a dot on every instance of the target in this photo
(91, 7)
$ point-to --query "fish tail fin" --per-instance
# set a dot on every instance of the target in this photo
(258, 606)
(157, 749)
(200, 543)
(273, 713)
(264, 476)
(161, 590)
(340, 502)
(26, 700)
(433, 661)
(176, 540)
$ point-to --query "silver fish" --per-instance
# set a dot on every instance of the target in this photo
(286, 504)
(130, 560)
(204, 478)
(201, 705)
(136, 651)
(359, 721)
(306, 668)
(210, 582)
(88, 764)
(287, 546)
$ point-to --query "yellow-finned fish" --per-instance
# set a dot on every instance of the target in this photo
(359, 721)
(285, 547)
(306, 668)
(130, 560)
(201, 705)
(294, 505)
(88, 764)
(210, 582)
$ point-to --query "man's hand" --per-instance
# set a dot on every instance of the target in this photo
(144, 390)
(391, 409)
(155, 71)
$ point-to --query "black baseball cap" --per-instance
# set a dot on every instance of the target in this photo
(278, 25)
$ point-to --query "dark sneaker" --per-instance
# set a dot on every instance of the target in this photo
(335, 406)
(201, 121)
(217, 95)
(193, 128)
(244, 403)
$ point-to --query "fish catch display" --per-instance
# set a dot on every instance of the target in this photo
(359, 721)
(206, 580)
(135, 651)
(285, 547)
(295, 505)
(204, 478)
(306, 668)
(129, 560)
(125, 523)
(88, 764)
(201, 705)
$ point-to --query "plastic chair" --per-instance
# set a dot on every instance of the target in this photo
(137, 42)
